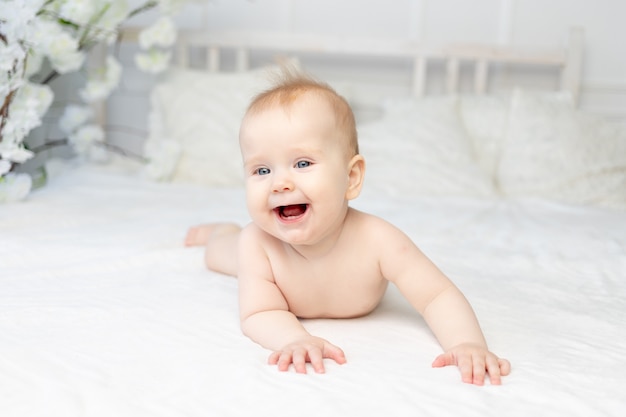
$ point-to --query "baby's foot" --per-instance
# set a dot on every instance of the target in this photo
(199, 235)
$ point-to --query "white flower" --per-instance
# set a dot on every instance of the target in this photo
(83, 138)
(161, 33)
(14, 187)
(113, 71)
(36, 96)
(73, 117)
(117, 11)
(154, 61)
(98, 154)
(169, 7)
(16, 18)
(12, 133)
(95, 90)
(34, 62)
(30, 103)
(8, 84)
(10, 56)
(100, 85)
(62, 32)
(77, 11)
(57, 44)
(5, 166)
(15, 154)
(63, 53)
(163, 155)
(67, 62)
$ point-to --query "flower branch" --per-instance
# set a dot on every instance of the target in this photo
(62, 32)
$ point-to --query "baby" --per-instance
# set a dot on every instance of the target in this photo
(308, 254)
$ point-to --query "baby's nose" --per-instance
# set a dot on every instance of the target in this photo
(281, 184)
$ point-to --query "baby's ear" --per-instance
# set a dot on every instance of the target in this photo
(356, 174)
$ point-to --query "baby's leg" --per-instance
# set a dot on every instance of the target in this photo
(220, 241)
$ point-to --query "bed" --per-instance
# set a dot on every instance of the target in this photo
(519, 197)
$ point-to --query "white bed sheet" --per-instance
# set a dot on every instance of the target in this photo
(103, 312)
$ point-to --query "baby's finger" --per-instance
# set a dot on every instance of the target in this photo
(335, 353)
(445, 359)
(273, 358)
(317, 360)
(464, 364)
(284, 361)
(478, 370)
(493, 368)
(299, 360)
(505, 367)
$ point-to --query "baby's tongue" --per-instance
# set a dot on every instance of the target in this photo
(294, 210)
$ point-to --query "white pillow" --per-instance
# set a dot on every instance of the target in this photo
(201, 112)
(485, 120)
(420, 148)
(554, 151)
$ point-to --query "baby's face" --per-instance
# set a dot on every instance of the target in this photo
(296, 171)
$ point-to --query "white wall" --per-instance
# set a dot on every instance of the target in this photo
(521, 22)
(518, 22)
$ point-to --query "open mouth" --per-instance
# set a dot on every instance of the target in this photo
(291, 212)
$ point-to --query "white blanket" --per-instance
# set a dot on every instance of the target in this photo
(103, 312)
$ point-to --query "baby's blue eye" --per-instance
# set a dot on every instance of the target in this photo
(303, 164)
(263, 171)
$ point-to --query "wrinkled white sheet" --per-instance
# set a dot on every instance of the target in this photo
(103, 312)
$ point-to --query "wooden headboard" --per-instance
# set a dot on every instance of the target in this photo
(567, 59)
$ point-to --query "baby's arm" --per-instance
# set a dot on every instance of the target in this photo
(265, 315)
(453, 321)
(446, 311)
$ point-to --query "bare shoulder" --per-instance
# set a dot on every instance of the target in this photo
(385, 242)
(254, 241)
(253, 261)
(374, 226)
(252, 234)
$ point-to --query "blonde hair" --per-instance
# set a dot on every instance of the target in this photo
(292, 85)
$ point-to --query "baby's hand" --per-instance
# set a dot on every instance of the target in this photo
(473, 362)
(309, 349)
